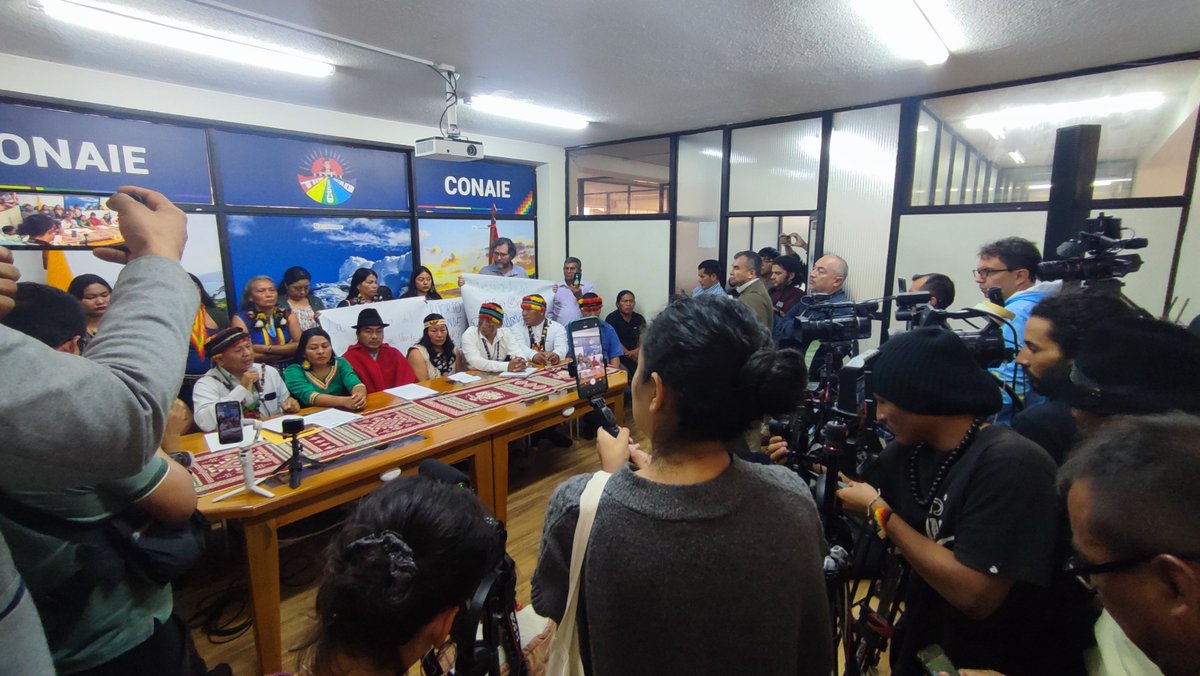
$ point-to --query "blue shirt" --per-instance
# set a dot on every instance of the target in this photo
(1020, 304)
(714, 290)
(494, 270)
(609, 342)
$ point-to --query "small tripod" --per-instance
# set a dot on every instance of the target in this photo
(296, 464)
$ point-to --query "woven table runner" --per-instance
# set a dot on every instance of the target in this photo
(373, 429)
(222, 469)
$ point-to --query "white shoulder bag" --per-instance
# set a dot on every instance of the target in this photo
(564, 657)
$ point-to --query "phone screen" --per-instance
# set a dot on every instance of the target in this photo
(229, 422)
(591, 376)
(57, 221)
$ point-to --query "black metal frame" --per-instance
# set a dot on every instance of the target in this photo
(906, 157)
(222, 211)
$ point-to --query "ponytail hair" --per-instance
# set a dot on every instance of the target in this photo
(411, 550)
(721, 366)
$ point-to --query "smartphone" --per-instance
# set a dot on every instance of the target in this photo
(578, 278)
(57, 221)
(229, 422)
(935, 661)
(591, 376)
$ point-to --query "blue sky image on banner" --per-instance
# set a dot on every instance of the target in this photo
(330, 248)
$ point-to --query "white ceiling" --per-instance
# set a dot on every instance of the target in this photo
(634, 67)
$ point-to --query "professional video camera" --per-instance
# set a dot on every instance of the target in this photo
(1093, 258)
(987, 344)
(836, 322)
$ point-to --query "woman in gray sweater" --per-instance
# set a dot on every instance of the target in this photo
(698, 563)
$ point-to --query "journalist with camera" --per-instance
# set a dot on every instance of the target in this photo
(970, 507)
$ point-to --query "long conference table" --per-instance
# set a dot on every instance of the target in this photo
(481, 438)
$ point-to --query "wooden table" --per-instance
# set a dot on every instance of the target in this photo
(482, 438)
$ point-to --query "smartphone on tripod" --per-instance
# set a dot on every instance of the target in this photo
(229, 422)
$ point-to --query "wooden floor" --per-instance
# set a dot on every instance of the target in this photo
(531, 482)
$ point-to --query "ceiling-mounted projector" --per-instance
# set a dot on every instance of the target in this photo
(451, 149)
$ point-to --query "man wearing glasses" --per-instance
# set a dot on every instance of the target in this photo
(1133, 502)
(1010, 265)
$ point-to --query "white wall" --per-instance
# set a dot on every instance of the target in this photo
(1187, 278)
(82, 86)
(625, 255)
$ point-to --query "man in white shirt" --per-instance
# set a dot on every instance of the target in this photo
(544, 340)
(489, 346)
(235, 377)
(568, 293)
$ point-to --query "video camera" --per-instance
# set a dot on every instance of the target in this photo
(1093, 256)
(831, 323)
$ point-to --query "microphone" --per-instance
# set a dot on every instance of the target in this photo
(1071, 249)
(443, 473)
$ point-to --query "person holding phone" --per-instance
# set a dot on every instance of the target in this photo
(568, 292)
(296, 289)
(488, 346)
(323, 378)
(259, 390)
(697, 538)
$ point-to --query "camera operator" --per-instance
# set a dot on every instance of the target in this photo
(1132, 500)
(1010, 265)
(972, 508)
(825, 285)
(1053, 334)
(939, 286)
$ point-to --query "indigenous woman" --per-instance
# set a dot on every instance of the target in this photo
(364, 288)
(296, 290)
(273, 330)
(434, 355)
(322, 378)
(422, 286)
(94, 295)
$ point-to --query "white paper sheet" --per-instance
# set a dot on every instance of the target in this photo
(411, 392)
(463, 377)
(331, 417)
(276, 424)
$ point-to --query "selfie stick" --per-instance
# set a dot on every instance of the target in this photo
(246, 457)
(610, 421)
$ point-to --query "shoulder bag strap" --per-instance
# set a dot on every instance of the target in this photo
(564, 657)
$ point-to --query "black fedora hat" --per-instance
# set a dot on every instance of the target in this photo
(369, 317)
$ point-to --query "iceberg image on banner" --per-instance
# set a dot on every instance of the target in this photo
(331, 249)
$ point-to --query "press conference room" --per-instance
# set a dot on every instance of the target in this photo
(322, 169)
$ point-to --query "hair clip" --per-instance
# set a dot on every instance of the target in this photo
(400, 555)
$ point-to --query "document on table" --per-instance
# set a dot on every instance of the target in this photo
(519, 374)
(463, 377)
(411, 392)
(331, 417)
(276, 424)
(215, 444)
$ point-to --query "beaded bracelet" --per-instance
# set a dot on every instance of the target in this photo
(879, 519)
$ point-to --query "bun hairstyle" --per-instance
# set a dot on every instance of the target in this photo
(413, 549)
(721, 366)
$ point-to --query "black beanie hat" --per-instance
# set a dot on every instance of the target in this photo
(1136, 366)
(930, 371)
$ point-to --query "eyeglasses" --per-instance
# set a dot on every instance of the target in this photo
(983, 273)
(1083, 569)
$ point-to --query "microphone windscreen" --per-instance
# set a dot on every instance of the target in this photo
(443, 473)
(1071, 249)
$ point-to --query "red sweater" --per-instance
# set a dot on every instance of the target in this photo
(390, 369)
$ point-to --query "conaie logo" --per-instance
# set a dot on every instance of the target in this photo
(327, 181)
(477, 187)
(16, 151)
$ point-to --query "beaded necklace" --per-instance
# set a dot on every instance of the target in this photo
(538, 345)
(943, 469)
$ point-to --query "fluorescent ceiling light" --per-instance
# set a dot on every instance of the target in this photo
(1023, 117)
(130, 24)
(1098, 183)
(904, 28)
(527, 112)
(1017, 157)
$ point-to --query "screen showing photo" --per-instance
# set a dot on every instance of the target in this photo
(589, 354)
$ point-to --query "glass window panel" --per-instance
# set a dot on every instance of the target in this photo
(621, 167)
(954, 196)
(774, 167)
(943, 167)
(698, 209)
(1147, 117)
(923, 170)
(739, 236)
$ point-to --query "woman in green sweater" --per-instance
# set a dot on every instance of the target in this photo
(322, 379)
